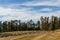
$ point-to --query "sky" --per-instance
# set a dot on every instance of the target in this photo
(28, 9)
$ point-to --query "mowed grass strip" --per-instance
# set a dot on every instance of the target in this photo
(28, 37)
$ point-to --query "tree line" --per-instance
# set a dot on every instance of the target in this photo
(45, 23)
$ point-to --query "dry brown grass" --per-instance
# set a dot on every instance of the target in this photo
(29, 37)
(41, 36)
(45, 36)
(52, 36)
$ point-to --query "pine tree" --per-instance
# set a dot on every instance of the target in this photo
(56, 22)
(42, 23)
(59, 22)
(52, 26)
(9, 26)
(38, 24)
(5, 26)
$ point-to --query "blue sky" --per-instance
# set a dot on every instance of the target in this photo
(28, 9)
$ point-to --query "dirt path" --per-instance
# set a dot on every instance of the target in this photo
(48, 36)
(38, 37)
(22, 36)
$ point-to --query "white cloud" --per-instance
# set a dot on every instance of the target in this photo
(39, 2)
(12, 14)
(46, 9)
(24, 14)
(4, 11)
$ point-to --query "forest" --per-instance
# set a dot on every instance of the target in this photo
(45, 23)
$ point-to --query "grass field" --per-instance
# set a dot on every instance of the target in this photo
(42, 35)
(45, 36)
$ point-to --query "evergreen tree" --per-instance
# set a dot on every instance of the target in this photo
(38, 24)
(5, 26)
(42, 23)
(56, 22)
(52, 26)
